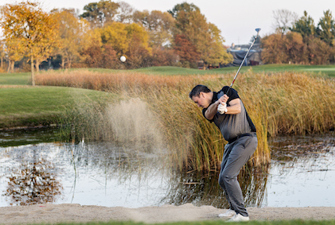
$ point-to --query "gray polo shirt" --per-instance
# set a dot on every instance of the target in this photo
(231, 125)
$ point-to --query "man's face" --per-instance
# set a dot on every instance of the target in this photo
(202, 100)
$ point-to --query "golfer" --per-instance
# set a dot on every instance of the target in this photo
(228, 113)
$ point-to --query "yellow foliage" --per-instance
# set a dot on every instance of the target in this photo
(73, 35)
(115, 34)
(35, 29)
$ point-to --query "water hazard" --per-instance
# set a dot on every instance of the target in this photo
(35, 168)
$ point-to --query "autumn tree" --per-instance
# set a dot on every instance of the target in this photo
(295, 48)
(319, 52)
(100, 13)
(205, 36)
(72, 35)
(115, 35)
(139, 48)
(158, 24)
(33, 28)
(180, 13)
(2, 53)
(186, 51)
(274, 49)
(162, 56)
(15, 51)
(326, 28)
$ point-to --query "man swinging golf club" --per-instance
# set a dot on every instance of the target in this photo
(227, 111)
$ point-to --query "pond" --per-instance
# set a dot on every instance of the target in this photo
(35, 168)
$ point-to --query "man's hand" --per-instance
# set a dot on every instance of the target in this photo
(222, 108)
(223, 99)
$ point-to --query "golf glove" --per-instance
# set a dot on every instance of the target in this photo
(222, 108)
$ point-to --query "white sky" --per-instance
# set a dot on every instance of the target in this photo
(236, 19)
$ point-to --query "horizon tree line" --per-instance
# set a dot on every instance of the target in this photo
(182, 36)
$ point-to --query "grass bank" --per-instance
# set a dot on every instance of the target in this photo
(32, 106)
(278, 103)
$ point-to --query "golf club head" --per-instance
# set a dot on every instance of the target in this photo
(257, 30)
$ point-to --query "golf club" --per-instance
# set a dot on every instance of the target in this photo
(257, 30)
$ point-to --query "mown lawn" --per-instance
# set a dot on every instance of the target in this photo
(327, 70)
(15, 78)
(38, 105)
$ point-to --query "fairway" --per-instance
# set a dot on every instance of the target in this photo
(36, 105)
(15, 78)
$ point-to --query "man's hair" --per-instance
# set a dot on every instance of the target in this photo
(197, 89)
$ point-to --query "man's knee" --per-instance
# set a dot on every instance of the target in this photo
(225, 178)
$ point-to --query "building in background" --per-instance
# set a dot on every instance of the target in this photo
(239, 51)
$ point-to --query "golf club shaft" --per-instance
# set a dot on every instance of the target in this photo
(258, 29)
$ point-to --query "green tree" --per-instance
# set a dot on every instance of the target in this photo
(326, 29)
(100, 13)
(305, 26)
(35, 29)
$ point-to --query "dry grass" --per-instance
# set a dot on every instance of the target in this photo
(282, 103)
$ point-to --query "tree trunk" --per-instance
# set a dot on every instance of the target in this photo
(69, 64)
(32, 71)
(37, 65)
(12, 66)
(9, 67)
(63, 63)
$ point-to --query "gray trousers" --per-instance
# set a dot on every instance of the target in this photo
(235, 156)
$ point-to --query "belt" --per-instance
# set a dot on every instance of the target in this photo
(253, 134)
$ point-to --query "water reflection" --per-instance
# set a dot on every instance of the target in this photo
(110, 175)
(32, 183)
(200, 189)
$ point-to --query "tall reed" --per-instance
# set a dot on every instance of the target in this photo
(281, 103)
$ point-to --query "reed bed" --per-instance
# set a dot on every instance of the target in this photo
(280, 103)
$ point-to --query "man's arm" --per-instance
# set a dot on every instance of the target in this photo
(234, 106)
(212, 110)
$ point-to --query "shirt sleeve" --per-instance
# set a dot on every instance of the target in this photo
(203, 113)
(232, 94)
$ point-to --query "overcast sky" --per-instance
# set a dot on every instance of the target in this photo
(236, 19)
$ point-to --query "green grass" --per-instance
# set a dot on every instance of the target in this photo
(326, 70)
(39, 105)
(15, 78)
(216, 222)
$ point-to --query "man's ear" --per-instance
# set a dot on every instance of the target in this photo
(202, 94)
